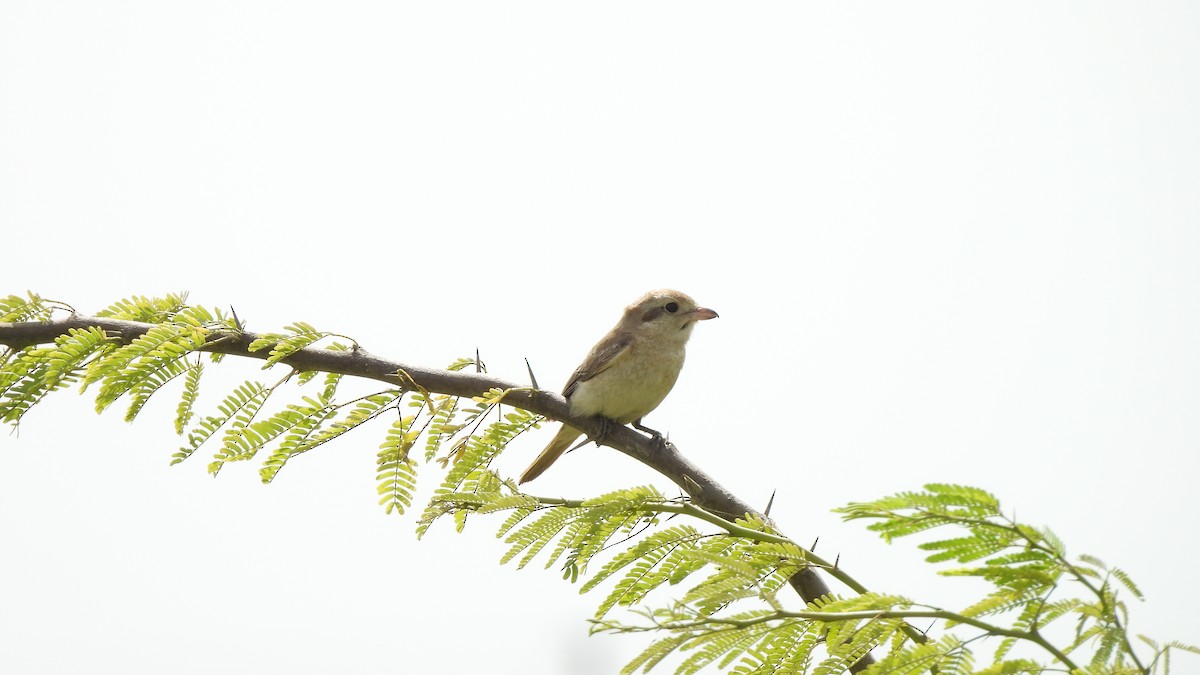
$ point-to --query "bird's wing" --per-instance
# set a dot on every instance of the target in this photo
(601, 358)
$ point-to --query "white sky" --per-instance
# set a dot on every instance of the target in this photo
(949, 241)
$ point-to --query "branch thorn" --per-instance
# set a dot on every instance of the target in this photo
(532, 378)
(770, 503)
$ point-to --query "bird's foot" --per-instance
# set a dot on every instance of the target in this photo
(605, 429)
(660, 441)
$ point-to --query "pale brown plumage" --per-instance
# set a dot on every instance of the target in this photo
(631, 370)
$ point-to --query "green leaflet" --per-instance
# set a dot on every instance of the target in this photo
(38, 371)
(149, 360)
(15, 308)
(396, 473)
(441, 427)
(187, 400)
(283, 345)
(1026, 566)
(947, 656)
(719, 582)
(307, 433)
(723, 648)
(788, 647)
(146, 310)
(533, 537)
(654, 654)
(297, 424)
(244, 400)
(656, 546)
(245, 435)
(152, 382)
(471, 457)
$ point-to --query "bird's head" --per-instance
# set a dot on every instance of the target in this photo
(668, 313)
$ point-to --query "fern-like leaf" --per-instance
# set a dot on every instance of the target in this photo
(297, 424)
(243, 402)
(146, 310)
(14, 308)
(38, 371)
(153, 381)
(306, 437)
(136, 363)
(1127, 582)
(187, 400)
(396, 472)
(658, 544)
(532, 537)
(283, 345)
(654, 654)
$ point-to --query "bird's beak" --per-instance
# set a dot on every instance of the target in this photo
(702, 314)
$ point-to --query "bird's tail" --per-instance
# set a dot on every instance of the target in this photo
(562, 440)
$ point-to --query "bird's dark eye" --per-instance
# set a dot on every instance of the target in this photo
(672, 307)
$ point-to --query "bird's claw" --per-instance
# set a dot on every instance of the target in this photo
(605, 428)
(659, 441)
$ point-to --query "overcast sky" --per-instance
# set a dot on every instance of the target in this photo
(949, 241)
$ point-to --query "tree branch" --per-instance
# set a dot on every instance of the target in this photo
(666, 459)
(865, 615)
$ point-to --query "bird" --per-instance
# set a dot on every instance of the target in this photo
(630, 370)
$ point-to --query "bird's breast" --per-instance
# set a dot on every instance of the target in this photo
(631, 387)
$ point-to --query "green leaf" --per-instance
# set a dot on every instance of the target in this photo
(396, 472)
(282, 346)
(187, 400)
(239, 406)
(146, 310)
(1127, 582)
(14, 308)
(37, 371)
